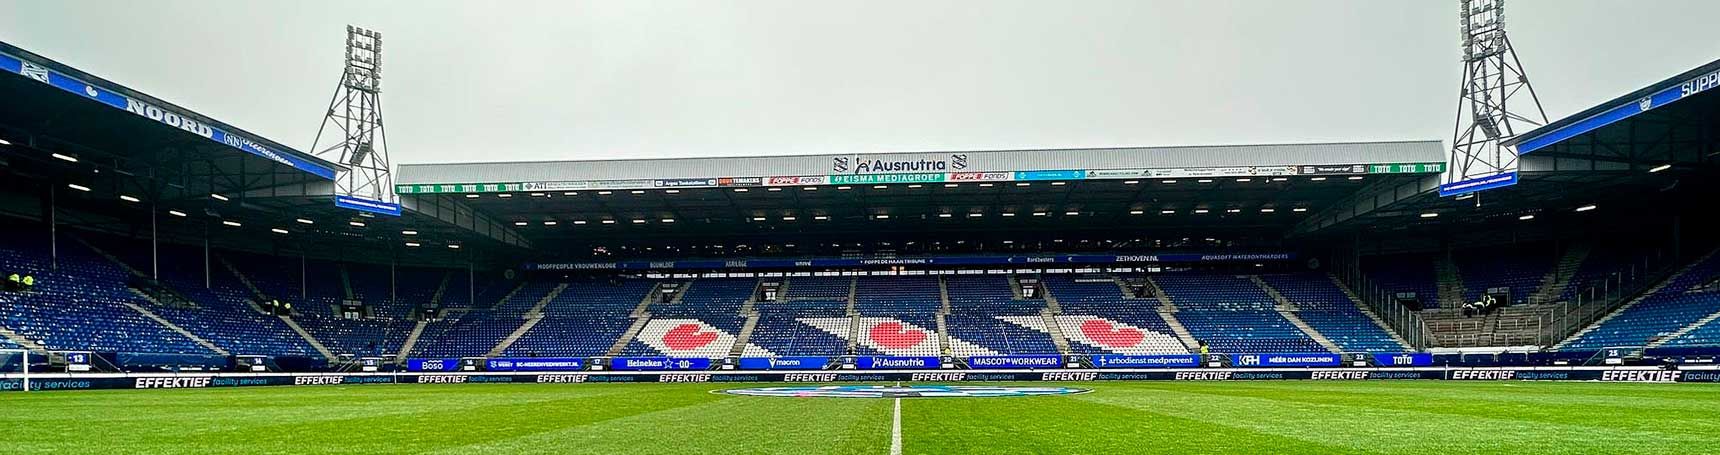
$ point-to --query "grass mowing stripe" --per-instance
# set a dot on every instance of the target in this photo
(1365, 428)
(1068, 425)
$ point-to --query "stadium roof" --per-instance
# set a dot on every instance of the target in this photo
(1056, 164)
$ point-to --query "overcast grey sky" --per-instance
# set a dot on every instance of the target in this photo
(510, 81)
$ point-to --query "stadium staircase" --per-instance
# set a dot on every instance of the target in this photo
(1398, 337)
(345, 282)
(1048, 315)
(1614, 312)
(1288, 310)
(748, 310)
(170, 325)
(326, 353)
(21, 341)
(1167, 310)
(1450, 290)
(1558, 279)
(411, 342)
(441, 290)
(1516, 325)
(853, 316)
(530, 319)
(1685, 330)
(508, 296)
(632, 331)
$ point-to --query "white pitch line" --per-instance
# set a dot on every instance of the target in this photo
(896, 430)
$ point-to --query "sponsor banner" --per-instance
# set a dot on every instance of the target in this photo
(1405, 359)
(876, 179)
(1333, 169)
(783, 363)
(981, 176)
(1146, 361)
(1200, 172)
(810, 180)
(1286, 360)
(433, 188)
(952, 260)
(658, 363)
(898, 163)
(1622, 111)
(1004, 362)
(740, 181)
(1406, 168)
(166, 116)
(535, 364)
(896, 363)
(367, 205)
(683, 183)
(1051, 175)
(432, 364)
(1641, 375)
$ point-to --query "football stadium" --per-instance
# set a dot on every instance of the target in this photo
(1530, 285)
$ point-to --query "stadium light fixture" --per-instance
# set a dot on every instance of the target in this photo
(1586, 208)
(1317, 179)
(879, 187)
(1071, 213)
(231, 223)
(809, 188)
(128, 198)
(1203, 181)
(408, 232)
(366, 215)
(944, 215)
(453, 246)
(539, 195)
(667, 220)
(1131, 182)
(1007, 214)
(570, 193)
(63, 157)
(176, 213)
(672, 191)
(218, 197)
(1168, 182)
(789, 218)
(844, 188)
(304, 221)
(820, 218)
(1526, 217)
(550, 223)
(1430, 215)
(5, 142)
(916, 185)
(881, 216)
(520, 223)
(986, 185)
(1355, 177)
(1244, 180)
(1299, 209)
(1660, 168)
(1268, 210)
(412, 244)
(1137, 212)
(976, 215)
(758, 218)
(773, 189)
(1059, 183)
(1041, 214)
(278, 230)
(355, 223)
(1280, 179)
(638, 221)
(1233, 211)
(505, 195)
(579, 222)
(951, 185)
(605, 193)
(78, 187)
(636, 192)
(471, 196)
(1200, 211)
(1023, 184)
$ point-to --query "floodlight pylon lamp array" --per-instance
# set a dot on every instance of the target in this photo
(354, 122)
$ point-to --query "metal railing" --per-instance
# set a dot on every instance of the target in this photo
(1406, 322)
(1597, 299)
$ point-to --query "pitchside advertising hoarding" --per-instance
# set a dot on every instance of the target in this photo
(1075, 259)
(60, 381)
(1008, 362)
(887, 178)
(1145, 361)
(784, 363)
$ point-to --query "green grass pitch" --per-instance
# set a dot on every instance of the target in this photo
(1138, 417)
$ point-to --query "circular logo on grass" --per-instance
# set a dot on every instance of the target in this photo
(918, 391)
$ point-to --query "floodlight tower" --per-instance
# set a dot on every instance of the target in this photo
(356, 112)
(1492, 107)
